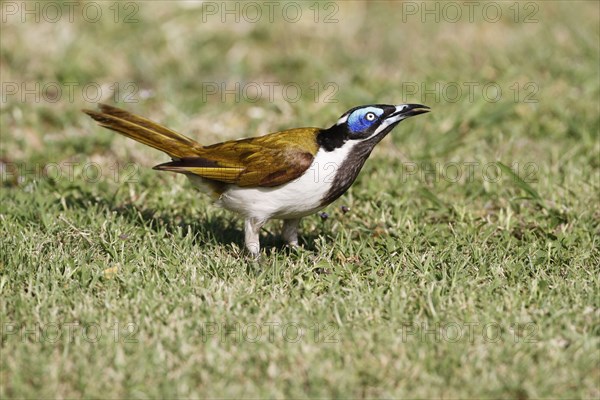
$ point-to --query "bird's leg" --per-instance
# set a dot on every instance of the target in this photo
(251, 234)
(290, 231)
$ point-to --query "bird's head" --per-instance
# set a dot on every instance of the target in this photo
(368, 123)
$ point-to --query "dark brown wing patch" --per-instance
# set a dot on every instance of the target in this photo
(292, 169)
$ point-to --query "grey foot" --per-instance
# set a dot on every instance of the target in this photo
(251, 235)
(290, 231)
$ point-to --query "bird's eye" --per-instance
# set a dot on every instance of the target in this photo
(370, 116)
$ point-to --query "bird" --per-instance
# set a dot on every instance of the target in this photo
(285, 175)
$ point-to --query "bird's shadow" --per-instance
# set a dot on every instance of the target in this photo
(223, 228)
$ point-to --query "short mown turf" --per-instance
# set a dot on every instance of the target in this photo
(463, 265)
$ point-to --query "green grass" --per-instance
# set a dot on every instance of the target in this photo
(149, 278)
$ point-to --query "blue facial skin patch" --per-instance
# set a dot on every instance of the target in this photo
(357, 121)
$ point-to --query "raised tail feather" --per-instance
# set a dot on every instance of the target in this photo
(145, 131)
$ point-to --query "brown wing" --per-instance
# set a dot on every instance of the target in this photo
(265, 161)
(269, 160)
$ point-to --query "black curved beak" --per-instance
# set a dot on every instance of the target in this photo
(409, 110)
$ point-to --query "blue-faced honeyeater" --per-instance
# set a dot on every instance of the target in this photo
(284, 175)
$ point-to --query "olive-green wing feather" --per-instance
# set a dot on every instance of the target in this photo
(269, 160)
(265, 161)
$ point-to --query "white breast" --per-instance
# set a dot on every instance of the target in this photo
(295, 199)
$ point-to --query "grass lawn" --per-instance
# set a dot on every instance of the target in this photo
(467, 265)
